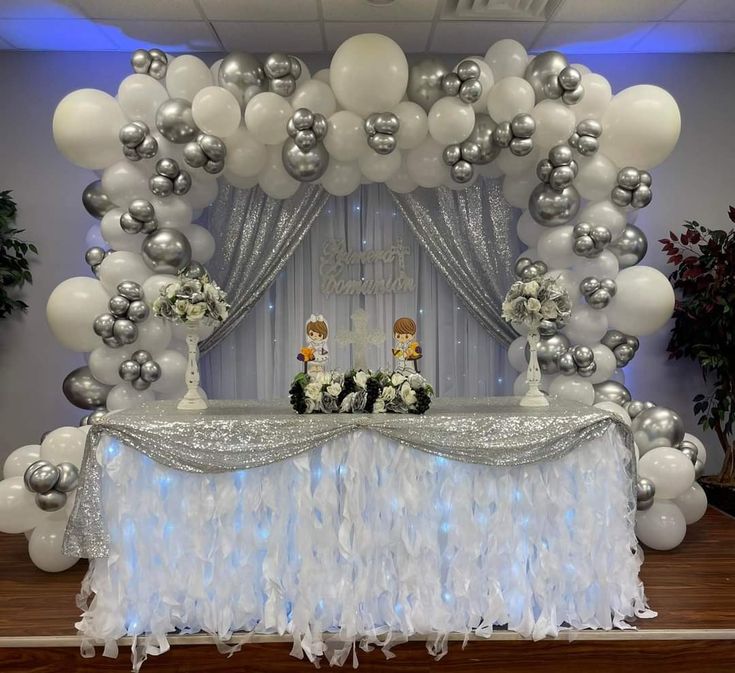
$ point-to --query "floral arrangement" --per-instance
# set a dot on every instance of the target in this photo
(530, 302)
(192, 298)
(359, 391)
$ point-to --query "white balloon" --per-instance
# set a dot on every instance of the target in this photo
(203, 191)
(614, 409)
(583, 69)
(273, 179)
(239, 181)
(167, 149)
(202, 243)
(606, 214)
(341, 177)
(597, 96)
(507, 58)
(641, 126)
(114, 235)
(187, 75)
(266, 115)
(71, 309)
(425, 164)
(605, 265)
(63, 445)
(573, 388)
(692, 503)
(18, 511)
(322, 75)
(487, 79)
(120, 266)
(305, 72)
(154, 335)
(104, 362)
(414, 125)
(216, 111)
(568, 279)
(401, 182)
(18, 461)
(153, 285)
(530, 231)
(662, 526)
(555, 122)
(214, 69)
(586, 326)
(140, 96)
(555, 246)
(517, 189)
(380, 167)
(173, 372)
(346, 139)
(701, 450)
(451, 120)
(86, 126)
(605, 362)
(45, 547)
(520, 387)
(316, 96)
(596, 177)
(669, 469)
(509, 97)
(643, 303)
(93, 237)
(172, 211)
(124, 396)
(368, 73)
(510, 164)
(517, 354)
(123, 182)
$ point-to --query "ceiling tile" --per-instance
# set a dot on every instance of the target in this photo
(39, 9)
(464, 37)
(174, 36)
(592, 38)
(265, 37)
(359, 10)
(412, 36)
(704, 10)
(173, 10)
(614, 10)
(54, 35)
(711, 36)
(260, 10)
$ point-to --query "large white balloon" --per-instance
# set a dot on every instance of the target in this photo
(86, 126)
(202, 243)
(692, 503)
(555, 122)
(120, 266)
(507, 58)
(701, 450)
(597, 95)
(414, 125)
(510, 164)
(173, 371)
(402, 182)
(517, 354)
(18, 511)
(346, 139)
(216, 111)
(322, 75)
(124, 396)
(172, 211)
(596, 177)
(641, 126)
(425, 164)
(555, 246)
(605, 265)
(530, 231)
(186, 75)
(266, 115)
(140, 96)
(614, 409)
(517, 189)
(380, 167)
(71, 309)
(341, 177)
(643, 302)
(123, 182)
(605, 363)
(368, 73)
(509, 97)
(114, 235)
(316, 96)
(586, 326)
(203, 190)
(273, 179)
(153, 285)
(45, 547)
(662, 526)
(154, 335)
(18, 461)
(451, 120)
(669, 469)
(573, 388)
(104, 362)
(63, 445)
(606, 214)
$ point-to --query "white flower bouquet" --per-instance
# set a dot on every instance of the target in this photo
(359, 391)
(528, 303)
(192, 299)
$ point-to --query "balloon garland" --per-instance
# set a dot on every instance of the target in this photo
(575, 159)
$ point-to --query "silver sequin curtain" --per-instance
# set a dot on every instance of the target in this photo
(469, 236)
(255, 237)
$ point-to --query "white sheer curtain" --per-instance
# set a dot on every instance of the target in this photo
(258, 359)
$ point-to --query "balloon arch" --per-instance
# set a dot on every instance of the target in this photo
(573, 157)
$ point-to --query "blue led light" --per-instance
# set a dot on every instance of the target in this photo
(447, 597)
(440, 460)
(569, 517)
(517, 495)
(112, 450)
(445, 527)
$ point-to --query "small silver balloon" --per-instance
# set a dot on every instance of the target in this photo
(138, 311)
(382, 143)
(41, 476)
(573, 97)
(462, 171)
(150, 371)
(387, 122)
(166, 251)
(425, 82)
(182, 183)
(482, 137)
(303, 119)
(212, 146)
(141, 357)
(305, 140)
(130, 290)
(570, 78)
(451, 154)
(468, 69)
(195, 270)
(690, 453)
(621, 197)
(611, 391)
(613, 338)
(118, 305)
(567, 366)
(589, 285)
(68, 477)
(470, 92)
(657, 427)
(141, 210)
(141, 60)
(583, 356)
(129, 370)
(94, 256)
(95, 200)
(277, 65)
(161, 186)
(52, 501)
(148, 148)
(645, 489)
(521, 147)
(642, 196)
(83, 390)
(523, 125)
(470, 151)
(599, 299)
(590, 127)
(132, 135)
(320, 126)
(125, 331)
(547, 328)
(283, 86)
(503, 134)
(629, 177)
(194, 155)
(103, 325)
(175, 121)
(634, 407)
(167, 167)
(451, 83)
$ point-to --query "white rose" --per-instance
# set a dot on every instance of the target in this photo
(378, 407)
(323, 378)
(346, 405)
(334, 389)
(196, 311)
(416, 381)
(533, 305)
(531, 288)
(388, 393)
(313, 391)
(171, 289)
(408, 395)
(361, 379)
(397, 379)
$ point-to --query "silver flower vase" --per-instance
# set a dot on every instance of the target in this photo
(534, 397)
(193, 399)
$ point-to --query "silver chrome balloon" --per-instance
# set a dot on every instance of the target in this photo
(52, 501)
(175, 121)
(425, 82)
(103, 325)
(585, 137)
(68, 477)
(138, 311)
(166, 251)
(130, 290)
(635, 407)
(611, 391)
(381, 128)
(125, 331)
(549, 351)
(462, 171)
(118, 305)
(633, 188)
(542, 73)
(242, 75)
(94, 257)
(41, 476)
(590, 240)
(304, 166)
(482, 138)
(83, 390)
(657, 427)
(95, 201)
(559, 170)
(153, 62)
(551, 208)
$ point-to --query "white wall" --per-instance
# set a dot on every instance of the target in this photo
(695, 182)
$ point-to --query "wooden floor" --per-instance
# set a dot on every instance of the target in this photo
(692, 588)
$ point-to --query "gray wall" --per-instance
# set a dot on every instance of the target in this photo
(695, 182)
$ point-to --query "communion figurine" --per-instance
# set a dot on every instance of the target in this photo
(315, 355)
(407, 350)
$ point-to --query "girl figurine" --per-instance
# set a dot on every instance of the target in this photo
(315, 355)
(407, 351)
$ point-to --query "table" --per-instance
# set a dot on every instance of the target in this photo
(347, 529)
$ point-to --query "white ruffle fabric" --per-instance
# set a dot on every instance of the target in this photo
(363, 541)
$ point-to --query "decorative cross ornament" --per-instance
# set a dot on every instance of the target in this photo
(360, 337)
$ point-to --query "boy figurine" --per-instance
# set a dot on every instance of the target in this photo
(315, 356)
(407, 351)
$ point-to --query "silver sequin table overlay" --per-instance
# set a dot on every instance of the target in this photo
(239, 435)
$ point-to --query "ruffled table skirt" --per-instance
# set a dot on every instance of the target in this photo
(363, 540)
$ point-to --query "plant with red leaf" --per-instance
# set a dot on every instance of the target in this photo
(704, 324)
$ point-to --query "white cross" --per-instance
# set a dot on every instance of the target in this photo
(359, 338)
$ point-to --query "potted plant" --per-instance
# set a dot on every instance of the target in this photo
(14, 265)
(704, 331)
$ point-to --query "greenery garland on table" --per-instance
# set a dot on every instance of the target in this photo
(14, 266)
(358, 391)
